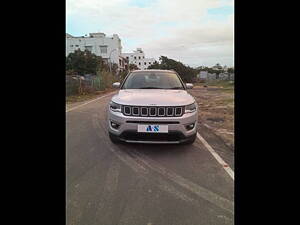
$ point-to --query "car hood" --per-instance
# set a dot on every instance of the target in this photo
(148, 97)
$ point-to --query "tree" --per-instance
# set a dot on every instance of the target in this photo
(114, 68)
(230, 70)
(133, 67)
(218, 66)
(71, 72)
(188, 74)
(122, 75)
(83, 62)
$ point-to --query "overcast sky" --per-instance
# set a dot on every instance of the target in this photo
(195, 32)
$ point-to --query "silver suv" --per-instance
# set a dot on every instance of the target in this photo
(153, 106)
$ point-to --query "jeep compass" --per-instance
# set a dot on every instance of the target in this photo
(152, 106)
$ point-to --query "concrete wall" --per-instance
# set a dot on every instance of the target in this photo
(226, 76)
(204, 75)
(211, 76)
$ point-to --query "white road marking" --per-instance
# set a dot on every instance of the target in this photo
(217, 157)
(187, 184)
(222, 131)
(206, 125)
(76, 107)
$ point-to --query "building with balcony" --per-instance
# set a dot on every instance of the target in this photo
(108, 47)
(138, 58)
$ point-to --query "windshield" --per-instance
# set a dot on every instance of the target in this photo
(153, 80)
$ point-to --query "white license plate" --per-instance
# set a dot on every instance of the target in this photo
(155, 128)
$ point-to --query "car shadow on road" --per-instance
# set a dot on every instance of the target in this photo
(159, 150)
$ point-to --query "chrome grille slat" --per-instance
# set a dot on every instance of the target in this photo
(150, 111)
(125, 109)
(161, 114)
(170, 114)
(133, 111)
(145, 114)
(178, 114)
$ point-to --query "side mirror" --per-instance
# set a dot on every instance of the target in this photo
(116, 85)
(189, 85)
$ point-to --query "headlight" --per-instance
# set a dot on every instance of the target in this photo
(190, 108)
(115, 107)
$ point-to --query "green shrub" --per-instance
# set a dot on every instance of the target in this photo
(106, 79)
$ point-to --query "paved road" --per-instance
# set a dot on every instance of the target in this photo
(139, 184)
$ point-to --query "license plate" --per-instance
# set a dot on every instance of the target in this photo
(156, 128)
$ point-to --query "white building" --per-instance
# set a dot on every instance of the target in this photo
(108, 47)
(217, 67)
(138, 58)
(203, 75)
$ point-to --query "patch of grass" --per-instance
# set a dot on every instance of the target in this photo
(224, 85)
(221, 83)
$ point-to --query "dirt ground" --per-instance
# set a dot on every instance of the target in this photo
(216, 108)
(85, 97)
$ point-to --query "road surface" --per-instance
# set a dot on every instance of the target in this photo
(136, 184)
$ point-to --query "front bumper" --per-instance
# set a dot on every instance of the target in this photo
(177, 131)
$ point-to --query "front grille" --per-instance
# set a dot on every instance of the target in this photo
(153, 111)
(152, 122)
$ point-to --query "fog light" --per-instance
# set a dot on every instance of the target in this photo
(114, 125)
(190, 126)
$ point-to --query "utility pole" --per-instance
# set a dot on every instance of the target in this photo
(110, 59)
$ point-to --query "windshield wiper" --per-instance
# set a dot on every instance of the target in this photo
(150, 88)
(160, 88)
(176, 88)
